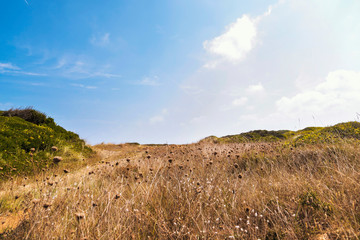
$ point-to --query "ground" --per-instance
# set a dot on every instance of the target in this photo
(196, 191)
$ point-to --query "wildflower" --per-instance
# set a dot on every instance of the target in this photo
(47, 205)
(79, 216)
(35, 201)
(57, 159)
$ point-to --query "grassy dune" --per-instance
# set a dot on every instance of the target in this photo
(294, 188)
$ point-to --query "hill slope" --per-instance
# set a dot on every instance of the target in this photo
(197, 191)
(308, 189)
(26, 139)
(309, 135)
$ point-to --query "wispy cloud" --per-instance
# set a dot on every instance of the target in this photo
(149, 81)
(104, 74)
(156, 119)
(26, 2)
(83, 86)
(159, 118)
(100, 41)
(240, 101)
(9, 68)
(61, 63)
(191, 90)
(79, 68)
(255, 89)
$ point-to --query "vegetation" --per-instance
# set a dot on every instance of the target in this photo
(310, 135)
(294, 188)
(26, 139)
(255, 136)
(336, 133)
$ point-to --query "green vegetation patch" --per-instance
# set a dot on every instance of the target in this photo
(333, 134)
(24, 130)
(310, 135)
(256, 136)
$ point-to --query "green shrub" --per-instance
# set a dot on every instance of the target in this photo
(255, 136)
(332, 134)
(312, 214)
(310, 135)
(28, 114)
(21, 130)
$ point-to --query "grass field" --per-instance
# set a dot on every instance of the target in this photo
(257, 185)
(197, 191)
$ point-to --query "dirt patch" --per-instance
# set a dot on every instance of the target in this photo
(11, 221)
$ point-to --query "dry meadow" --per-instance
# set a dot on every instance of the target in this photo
(196, 191)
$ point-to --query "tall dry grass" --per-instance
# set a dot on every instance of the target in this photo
(199, 191)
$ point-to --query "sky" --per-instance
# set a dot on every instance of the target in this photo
(176, 71)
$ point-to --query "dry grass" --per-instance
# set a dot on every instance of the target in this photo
(198, 191)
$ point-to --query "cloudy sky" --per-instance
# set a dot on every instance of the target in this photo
(175, 71)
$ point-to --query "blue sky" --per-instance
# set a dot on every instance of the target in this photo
(177, 71)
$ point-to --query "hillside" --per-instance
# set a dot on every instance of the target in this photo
(304, 185)
(312, 135)
(26, 140)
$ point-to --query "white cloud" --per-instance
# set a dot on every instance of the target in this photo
(81, 68)
(198, 120)
(9, 68)
(239, 101)
(255, 89)
(191, 90)
(150, 81)
(236, 42)
(100, 41)
(104, 74)
(339, 92)
(156, 119)
(159, 118)
(83, 86)
(61, 63)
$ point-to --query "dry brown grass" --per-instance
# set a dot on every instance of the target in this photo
(198, 191)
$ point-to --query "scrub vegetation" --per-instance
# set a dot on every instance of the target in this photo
(312, 135)
(26, 139)
(272, 185)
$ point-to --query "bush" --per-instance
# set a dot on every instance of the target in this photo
(256, 136)
(23, 129)
(28, 114)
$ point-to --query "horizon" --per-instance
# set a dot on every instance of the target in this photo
(163, 73)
